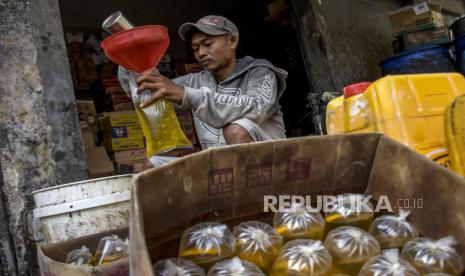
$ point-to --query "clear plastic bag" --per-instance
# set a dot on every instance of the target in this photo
(303, 258)
(159, 122)
(79, 256)
(349, 210)
(207, 243)
(433, 256)
(110, 249)
(235, 267)
(177, 267)
(299, 223)
(389, 264)
(393, 231)
(350, 247)
(258, 243)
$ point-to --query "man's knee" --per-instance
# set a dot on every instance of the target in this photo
(236, 134)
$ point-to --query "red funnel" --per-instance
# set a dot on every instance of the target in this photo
(138, 49)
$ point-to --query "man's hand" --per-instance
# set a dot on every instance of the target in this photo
(160, 86)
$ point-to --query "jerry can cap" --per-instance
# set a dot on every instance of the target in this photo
(355, 89)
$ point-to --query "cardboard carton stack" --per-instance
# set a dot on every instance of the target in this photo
(124, 139)
(82, 67)
(115, 97)
(419, 24)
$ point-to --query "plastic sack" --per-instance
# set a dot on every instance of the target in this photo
(159, 122)
(79, 256)
(177, 267)
(258, 243)
(433, 256)
(110, 249)
(207, 243)
(235, 267)
(349, 210)
(393, 231)
(302, 258)
(389, 264)
(299, 223)
(350, 247)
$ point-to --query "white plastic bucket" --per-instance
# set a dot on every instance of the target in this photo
(83, 208)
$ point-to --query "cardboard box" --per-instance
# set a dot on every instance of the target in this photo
(120, 118)
(88, 115)
(98, 162)
(88, 138)
(229, 185)
(414, 18)
(132, 155)
(123, 132)
(117, 100)
(51, 257)
(436, 35)
(276, 7)
(116, 144)
(129, 167)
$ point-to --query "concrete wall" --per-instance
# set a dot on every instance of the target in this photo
(344, 40)
(40, 144)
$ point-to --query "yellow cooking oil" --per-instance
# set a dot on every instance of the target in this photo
(258, 243)
(360, 220)
(302, 257)
(206, 258)
(299, 223)
(161, 127)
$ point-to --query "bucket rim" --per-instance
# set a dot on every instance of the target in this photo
(80, 182)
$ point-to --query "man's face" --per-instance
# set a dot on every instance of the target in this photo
(213, 52)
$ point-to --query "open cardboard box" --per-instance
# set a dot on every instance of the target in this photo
(228, 184)
(52, 257)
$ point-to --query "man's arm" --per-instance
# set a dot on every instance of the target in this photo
(257, 103)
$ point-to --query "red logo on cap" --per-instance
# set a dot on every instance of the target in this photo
(210, 21)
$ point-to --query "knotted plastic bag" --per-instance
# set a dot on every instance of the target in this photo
(350, 247)
(111, 248)
(177, 267)
(159, 122)
(258, 243)
(433, 256)
(235, 267)
(299, 223)
(302, 258)
(393, 231)
(79, 256)
(349, 210)
(207, 243)
(389, 264)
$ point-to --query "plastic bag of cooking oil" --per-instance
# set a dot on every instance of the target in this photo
(433, 256)
(258, 243)
(349, 210)
(389, 264)
(79, 256)
(110, 249)
(393, 231)
(299, 222)
(177, 267)
(350, 247)
(159, 122)
(302, 258)
(235, 267)
(207, 243)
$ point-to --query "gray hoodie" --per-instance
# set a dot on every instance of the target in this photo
(250, 92)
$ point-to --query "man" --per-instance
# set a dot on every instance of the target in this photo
(233, 101)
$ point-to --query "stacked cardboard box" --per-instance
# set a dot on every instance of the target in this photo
(419, 24)
(115, 97)
(121, 131)
(82, 67)
(124, 139)
(87, 115)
